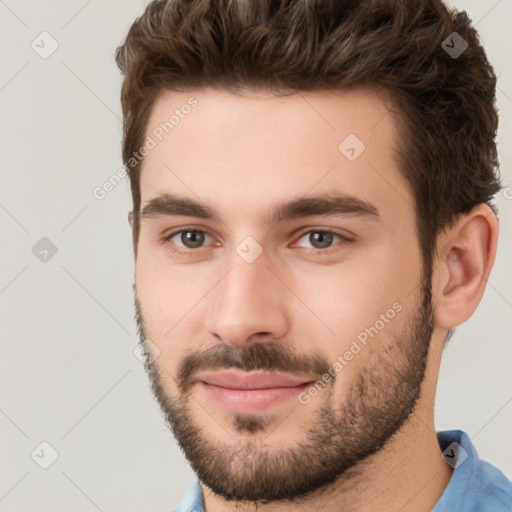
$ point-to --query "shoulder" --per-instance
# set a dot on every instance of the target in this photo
(475, 485)
(192, 501)
(494, 490)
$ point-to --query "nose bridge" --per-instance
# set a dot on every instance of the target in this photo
(245, 302)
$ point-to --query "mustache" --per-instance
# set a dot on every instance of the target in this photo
(271, 357)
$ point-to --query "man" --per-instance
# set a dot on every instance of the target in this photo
(312, 185)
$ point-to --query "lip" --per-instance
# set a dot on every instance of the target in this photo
(245, 392)
(252, 380)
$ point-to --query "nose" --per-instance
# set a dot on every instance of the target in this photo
(247, 305)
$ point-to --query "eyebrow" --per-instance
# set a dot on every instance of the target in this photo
(328, 204)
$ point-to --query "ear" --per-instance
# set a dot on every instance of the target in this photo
(465, 256)
(131, 220)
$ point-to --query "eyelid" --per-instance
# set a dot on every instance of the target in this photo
(344, 238)
(345, 234)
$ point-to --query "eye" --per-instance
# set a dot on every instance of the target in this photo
(322, 239)
(189, 238)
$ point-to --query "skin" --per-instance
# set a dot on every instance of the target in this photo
(243, 155)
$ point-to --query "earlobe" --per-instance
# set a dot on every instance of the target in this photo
(463, 265)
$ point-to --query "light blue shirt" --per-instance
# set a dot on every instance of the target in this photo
(475, 485)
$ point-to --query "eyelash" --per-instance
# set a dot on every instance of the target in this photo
(343, 240)
(187, 252)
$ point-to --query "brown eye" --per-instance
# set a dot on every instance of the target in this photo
(189, 238)
(192, 239)
(319, 239)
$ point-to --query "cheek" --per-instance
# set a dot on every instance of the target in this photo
(359, 317)
(168, 296)
(350, 301)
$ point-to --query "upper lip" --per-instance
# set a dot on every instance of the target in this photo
(251, 380)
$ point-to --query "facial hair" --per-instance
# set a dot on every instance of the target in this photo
(334, 439)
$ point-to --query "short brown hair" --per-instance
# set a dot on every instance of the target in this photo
(448, 118)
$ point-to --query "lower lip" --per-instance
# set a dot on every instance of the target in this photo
(251, 400)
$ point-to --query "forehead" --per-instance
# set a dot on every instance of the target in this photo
(259, 148)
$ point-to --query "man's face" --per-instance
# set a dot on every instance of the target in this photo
(292, 339)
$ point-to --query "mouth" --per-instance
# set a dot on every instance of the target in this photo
(246, 392)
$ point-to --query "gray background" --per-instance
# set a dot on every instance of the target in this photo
(68, 375)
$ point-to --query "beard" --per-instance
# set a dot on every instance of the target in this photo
(335, 438)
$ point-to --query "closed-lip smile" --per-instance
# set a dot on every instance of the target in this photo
(244, 392)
